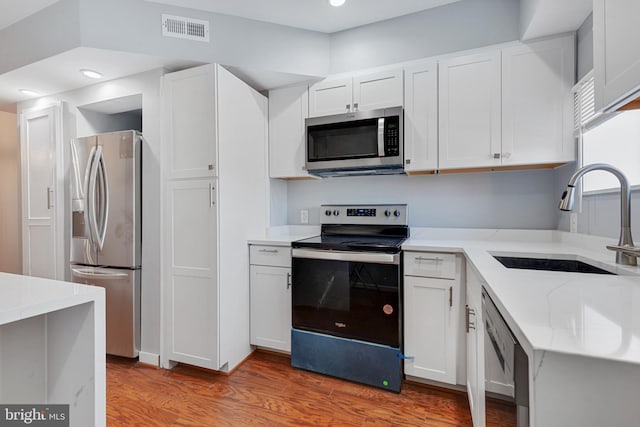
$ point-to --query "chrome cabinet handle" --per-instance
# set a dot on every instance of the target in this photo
(212, 195)
(450, 296)
(468, 313)
(288, 280)
(429, 259)
(49, 198)
(269, 251)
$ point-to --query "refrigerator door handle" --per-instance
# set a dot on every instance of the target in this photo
(92, 273)
(92, 194)
(104, 198)
(89, 194)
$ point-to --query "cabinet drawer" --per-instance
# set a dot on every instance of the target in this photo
(278, 256)
(429, 264)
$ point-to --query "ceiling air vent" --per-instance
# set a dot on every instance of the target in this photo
(185, 28)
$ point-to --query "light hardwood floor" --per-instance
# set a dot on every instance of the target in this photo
(265, 390)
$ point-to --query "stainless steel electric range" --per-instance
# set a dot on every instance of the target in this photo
(347, 295)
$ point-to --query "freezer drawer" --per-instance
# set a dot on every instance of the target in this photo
(122, 288)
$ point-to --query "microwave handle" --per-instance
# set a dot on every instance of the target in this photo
(381, 137)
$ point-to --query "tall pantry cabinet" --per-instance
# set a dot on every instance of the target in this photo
(215, 191)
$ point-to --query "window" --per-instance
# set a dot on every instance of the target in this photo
(612, 139)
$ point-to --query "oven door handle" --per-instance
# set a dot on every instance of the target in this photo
(369, 257)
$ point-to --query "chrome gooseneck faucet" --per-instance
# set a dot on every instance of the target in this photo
(626, 252)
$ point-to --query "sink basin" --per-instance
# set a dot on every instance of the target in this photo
(565, 265)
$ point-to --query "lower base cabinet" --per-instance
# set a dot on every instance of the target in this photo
(270, 298)
(431, 309)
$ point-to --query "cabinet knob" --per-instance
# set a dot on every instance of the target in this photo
(407, 162)
(348, 107)
(496, 155)
(210, 166)
(355, 106)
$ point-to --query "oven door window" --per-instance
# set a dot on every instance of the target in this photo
(347, 299)
(350, 140)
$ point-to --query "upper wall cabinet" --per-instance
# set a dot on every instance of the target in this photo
(421, 117)
(537, 102)
(360, 93)
(508, 107)
(288, 108)
(189, 120)
(616, 52)
(469, 111)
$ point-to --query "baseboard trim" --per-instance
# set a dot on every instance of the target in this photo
(149, 358)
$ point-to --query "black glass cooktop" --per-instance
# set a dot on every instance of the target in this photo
(354, 242)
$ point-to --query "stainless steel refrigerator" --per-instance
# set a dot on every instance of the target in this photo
(106, 231)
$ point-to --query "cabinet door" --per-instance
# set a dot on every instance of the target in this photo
(191, 291)
(330, 97)
(475, 348)
(378, 90)
(616, 51)
(470, 111)
(421, 117)
(537, 102)
(189, 122)
(431, 328)
(288, 108)
(42, 201)
(271, 307)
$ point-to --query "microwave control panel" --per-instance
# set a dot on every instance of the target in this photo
(392, 136)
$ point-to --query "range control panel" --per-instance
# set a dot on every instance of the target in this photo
(364, 214)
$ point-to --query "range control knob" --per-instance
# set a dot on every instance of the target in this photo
(336, 212)
(396, 213)
(387, 213)
(327, 212)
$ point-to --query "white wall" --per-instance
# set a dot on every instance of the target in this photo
(463, 25)
(77, 124)
(10, 224)
(509, 199)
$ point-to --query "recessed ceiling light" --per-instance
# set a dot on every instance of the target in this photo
(29, 92)
(336, 3)
(91, 74)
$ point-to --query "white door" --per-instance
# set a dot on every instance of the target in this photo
(431, 328)
(421, 117)
(475, 348)
(191, 272)
(330, 97)
(537, 102)
(378, 90)
(469, 111)
(288, 108)
(42, 242)
(271, 307)
(189, 122)
(616, 51)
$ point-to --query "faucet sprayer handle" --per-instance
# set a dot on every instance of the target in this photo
(630, 250)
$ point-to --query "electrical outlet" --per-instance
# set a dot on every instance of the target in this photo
(304, 216)
(573, 222)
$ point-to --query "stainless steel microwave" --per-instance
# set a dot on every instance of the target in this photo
(361, 143)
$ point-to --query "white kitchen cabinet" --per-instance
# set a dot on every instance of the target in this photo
(189, 120)
(359, 93)
(421, 117)
(470, 111)
(537, 102)
(205, 289)
(431, 311)
(271, 297)
(616, 52)
(43, 208)
(191, 272)
(288, 108)
(475, 347)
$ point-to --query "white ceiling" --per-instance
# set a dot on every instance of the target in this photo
(62, 72)
(16, 10)
(316, 15)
